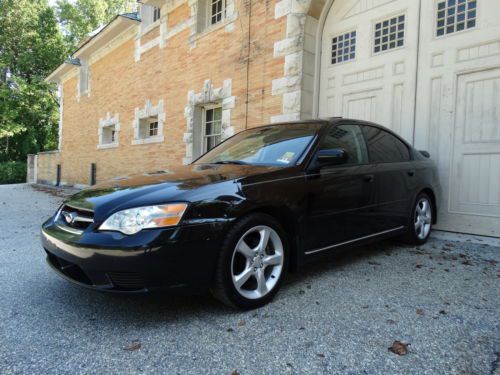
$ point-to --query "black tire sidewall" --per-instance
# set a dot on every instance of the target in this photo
(224, 271)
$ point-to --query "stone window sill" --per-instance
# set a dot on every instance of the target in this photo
(142, 141)
(210, 29)
(107, 145)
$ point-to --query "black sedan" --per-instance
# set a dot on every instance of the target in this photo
(264, 202)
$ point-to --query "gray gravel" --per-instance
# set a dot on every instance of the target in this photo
(339, 316)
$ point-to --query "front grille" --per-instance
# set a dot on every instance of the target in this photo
(69, 269)
(75, 218)
(127, 280)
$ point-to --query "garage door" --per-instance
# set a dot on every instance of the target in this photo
(430, 71)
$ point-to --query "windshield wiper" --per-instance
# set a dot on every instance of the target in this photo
(238, 162)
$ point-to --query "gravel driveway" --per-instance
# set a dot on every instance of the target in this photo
(338, 317)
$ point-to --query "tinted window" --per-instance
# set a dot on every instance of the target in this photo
(276, 145)
(349, 138)
(384, 147)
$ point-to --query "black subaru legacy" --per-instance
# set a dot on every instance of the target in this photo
(263, 202)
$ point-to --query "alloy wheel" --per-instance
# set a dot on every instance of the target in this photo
(423, 218)
(257, 262)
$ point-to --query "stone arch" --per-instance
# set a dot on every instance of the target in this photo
(299, 85)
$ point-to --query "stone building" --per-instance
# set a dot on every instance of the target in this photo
(161, 87)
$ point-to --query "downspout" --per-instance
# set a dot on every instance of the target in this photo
(416, 74)
(248, 62)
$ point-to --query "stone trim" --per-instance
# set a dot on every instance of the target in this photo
(291, 48)
(149, 111)
(105, 122)
(61, 113)
(208, 95)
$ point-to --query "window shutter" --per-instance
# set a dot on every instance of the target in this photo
(202, 15)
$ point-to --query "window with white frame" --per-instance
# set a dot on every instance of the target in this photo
(148, 127)
(455, 15)
(109, 128)
(212, 127)
(217, 11)
(389, 34)
(84, 77)
(344, 47)
(156, 14)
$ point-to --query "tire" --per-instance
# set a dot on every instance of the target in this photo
(248, 274)
(420, 221)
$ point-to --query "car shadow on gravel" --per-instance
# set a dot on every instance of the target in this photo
(158, 308)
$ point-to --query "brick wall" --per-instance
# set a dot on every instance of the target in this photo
(120, 84)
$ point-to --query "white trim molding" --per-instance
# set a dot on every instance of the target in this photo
(143, 113)
(104, 123)
(61, 108)
(208, 95)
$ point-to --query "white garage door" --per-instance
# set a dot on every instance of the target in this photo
(430, 71)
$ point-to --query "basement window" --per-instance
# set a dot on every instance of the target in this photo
(148, 127)
(389, 34)
(455, 15)
(109, 127)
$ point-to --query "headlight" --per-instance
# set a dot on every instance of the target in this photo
(134, 220)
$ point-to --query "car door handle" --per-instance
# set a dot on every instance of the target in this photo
(411, 172)
(369, 178)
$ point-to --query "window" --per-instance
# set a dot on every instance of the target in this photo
(389, 34)
(217, 11)
(148, 127)
(212, 128)
(84, 77)
(156, 14)
(344, 47)
(275, 145)
(153, 128)
(455, 15)
(108, 134)
(350, 139)
(384, 147)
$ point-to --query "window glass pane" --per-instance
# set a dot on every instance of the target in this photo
(391, 38)
(384, 147)
(350, 139)
(457, 18)
(344, 47)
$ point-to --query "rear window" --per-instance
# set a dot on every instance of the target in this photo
(384, 147)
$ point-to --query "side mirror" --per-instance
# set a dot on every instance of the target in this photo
(332, 156)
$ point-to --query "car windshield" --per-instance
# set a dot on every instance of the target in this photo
(276, 145)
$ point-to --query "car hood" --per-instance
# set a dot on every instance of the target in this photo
(183, 183)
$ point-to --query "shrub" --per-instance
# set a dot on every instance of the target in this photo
(12, 172)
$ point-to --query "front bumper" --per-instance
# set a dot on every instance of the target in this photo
(183, 256)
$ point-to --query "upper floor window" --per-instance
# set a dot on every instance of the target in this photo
(217, 11)
(389, 34)
(84, 77)
(455, 15)
(384, 147)
(344, 47)
(156, 14)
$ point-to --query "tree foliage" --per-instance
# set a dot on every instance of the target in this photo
(79, 18)
(35, 38)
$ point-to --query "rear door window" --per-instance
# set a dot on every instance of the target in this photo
(384, 147)
(350, 139)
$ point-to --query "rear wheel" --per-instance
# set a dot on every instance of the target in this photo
(421, 220)
(252, 262)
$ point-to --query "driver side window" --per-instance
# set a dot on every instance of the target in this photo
(350, 139)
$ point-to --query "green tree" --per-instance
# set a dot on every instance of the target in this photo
(79, 18)
(31, 46)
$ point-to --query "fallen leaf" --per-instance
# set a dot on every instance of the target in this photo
(133, 346)
(443, 312)
(399, 348)
(374, 263)
(241, 323)
(235, 372)
(230, 330)
(418, 266)
(390, 321)
(420, 311)
(321, 355)
(467, 263)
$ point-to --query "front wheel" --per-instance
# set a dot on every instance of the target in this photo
(421, 220)
(252, 262)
